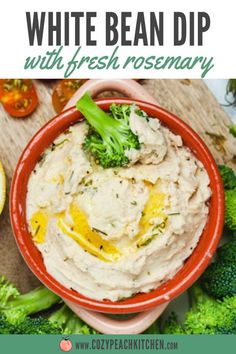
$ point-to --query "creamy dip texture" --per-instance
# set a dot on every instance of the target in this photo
(111, 233)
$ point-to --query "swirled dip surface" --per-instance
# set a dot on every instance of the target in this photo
(111, 233)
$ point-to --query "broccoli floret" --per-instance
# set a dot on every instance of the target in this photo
(17, 309)
(173, 325)
(37, 325)
(228, 177)
(121, 112)
(227, 252)
(5, 326)
(219, 280)
(230, 209)
(207, 316)
(7, 291)
(109, 135)
(62, 321)
(227, 329)
(229, 181)
(69, 322)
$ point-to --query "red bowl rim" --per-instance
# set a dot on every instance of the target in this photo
(168, 290)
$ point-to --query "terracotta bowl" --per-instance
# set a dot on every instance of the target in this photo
(194, 265)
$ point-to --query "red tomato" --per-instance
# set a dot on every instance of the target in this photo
(63, 91)
(18, 96)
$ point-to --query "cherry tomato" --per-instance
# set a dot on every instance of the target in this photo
(18, 96)
(63, 91)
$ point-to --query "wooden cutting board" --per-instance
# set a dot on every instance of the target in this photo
(191, 100)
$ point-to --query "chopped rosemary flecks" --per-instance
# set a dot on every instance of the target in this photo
(42, 159)
(55, 146)
(161, 225)
(67, 132)
(71, 175)
(37, 230)
(73, 289)
(88, 183)
(100, 231)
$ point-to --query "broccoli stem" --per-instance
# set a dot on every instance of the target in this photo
(60, 316)
(69, 322)
(74, 325)
(34, 301)
(197, 296)
(96, 117)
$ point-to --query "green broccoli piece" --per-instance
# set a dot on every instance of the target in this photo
(109, 136)
(227, 329)
(121, 112)
(207, 316)
(229, 181)
(37, 325)
(17, 309)
(228, 177)
(173, 325)
(69, 322)
(230, 209)
(62, 321)
(5, 327)
(7, 291)
(227, 252)
(219, 280)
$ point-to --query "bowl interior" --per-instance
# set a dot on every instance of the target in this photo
(194, 265)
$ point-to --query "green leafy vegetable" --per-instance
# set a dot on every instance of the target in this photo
(110, 135)
(227, 252)
(228, 177)
(230, 209)
(206, 316)
(219, 280)
(16, 311)
(7, 291)
(229, 181)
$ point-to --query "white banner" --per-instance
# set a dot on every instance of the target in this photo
(123, 39)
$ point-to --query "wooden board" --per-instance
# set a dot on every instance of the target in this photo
(189, 99)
